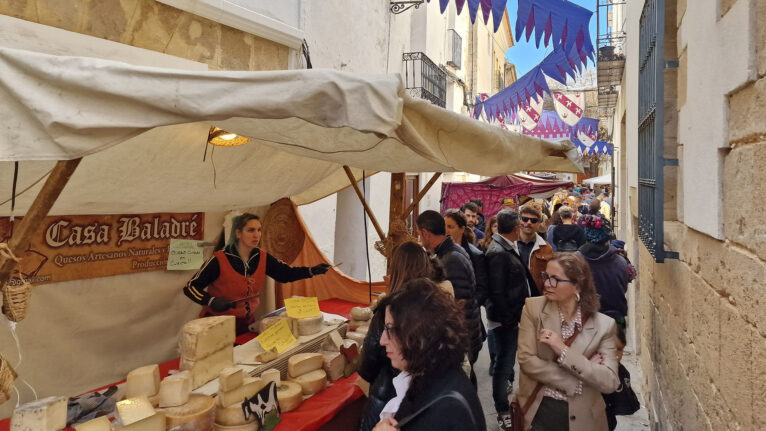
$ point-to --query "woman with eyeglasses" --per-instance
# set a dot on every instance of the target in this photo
(409, 261)
(425, 339)
(566, 352)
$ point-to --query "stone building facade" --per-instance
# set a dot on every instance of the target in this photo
(699, 321)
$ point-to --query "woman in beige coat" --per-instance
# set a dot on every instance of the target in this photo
(570, 378)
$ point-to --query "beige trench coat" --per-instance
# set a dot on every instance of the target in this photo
(538, 364)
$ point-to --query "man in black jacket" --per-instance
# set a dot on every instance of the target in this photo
(509, 285)
(457, 264)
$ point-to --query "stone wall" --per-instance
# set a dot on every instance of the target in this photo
(154, 26)
(702, 318)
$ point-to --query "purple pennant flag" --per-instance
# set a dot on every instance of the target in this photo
(556, 22)
(459, 4)
(486, 7)
(498, 9)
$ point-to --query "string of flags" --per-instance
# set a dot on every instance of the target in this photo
(556, 23)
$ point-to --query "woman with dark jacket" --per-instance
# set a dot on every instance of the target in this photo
(231, 281)
(424, 337)
(409, 261)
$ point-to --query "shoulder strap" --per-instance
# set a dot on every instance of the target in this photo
(539, 386)
(451, 394)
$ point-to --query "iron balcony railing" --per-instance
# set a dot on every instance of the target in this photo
(457, 49)
(424, 79)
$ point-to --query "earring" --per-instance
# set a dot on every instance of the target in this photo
(577, 294)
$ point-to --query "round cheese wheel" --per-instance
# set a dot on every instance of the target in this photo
(266, 322)
(252, 426)
(232, 415)
(361, 313)
(289, 395)
(310, 325)
(312, 382)
(197, 414)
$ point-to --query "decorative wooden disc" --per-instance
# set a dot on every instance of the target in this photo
(283, 236)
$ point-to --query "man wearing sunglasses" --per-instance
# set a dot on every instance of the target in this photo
(533, 249)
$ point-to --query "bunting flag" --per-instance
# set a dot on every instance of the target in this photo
(598, 148)
(530, 113)
(494, 7)
(569, 106)
(565, 26)
(553, 128)
(557, 21)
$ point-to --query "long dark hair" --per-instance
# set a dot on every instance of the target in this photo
(430, 329)
(487, 240)
(237, 224)
(409, 261)
(459, 218)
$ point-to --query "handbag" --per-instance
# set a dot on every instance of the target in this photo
(517, 411)
(623, 401)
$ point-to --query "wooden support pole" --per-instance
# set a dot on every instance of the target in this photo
(396, 200)
(420, 195)
(30, 223)
(367, 209)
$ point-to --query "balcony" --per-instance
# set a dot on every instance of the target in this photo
(423, 79)
(610, 63)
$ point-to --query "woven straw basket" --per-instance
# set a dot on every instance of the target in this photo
(16, 301)
(7, 377)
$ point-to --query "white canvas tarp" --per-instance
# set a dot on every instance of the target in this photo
(143, 132)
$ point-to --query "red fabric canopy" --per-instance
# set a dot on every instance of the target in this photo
(539, 185)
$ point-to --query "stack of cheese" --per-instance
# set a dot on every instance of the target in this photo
(207, 347)
(144, 382)
(233, 389)
(289, 394)
(47, 414)
(360, 323)
(299, 327)
(137, 414)
(306, 369)
(334, 361)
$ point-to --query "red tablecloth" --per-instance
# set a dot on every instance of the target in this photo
(313, 412)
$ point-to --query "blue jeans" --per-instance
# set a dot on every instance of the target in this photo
(506, 342)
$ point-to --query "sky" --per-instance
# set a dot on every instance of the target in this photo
(524, 54)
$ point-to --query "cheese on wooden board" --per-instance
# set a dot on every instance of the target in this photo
(267, 322)
(100, 423)
(310, 325)
(361, 313)
(134, 409)
(143, 381)
(271, 375)
(289, 395)
(155, 422)
(312, 382)
(356, 336)
(207, 369)
(201, 337)
(266, 356)
(291, 322)
(302, 363)
(232, 415)
(230, 378)
(252, 426)
(175, 389)
(333, 365)
(234, 396)
(251, 386)
(47, 414)
(335, 340)
(197, 414)
(353, 324)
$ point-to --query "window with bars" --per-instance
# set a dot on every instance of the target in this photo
(651, 114)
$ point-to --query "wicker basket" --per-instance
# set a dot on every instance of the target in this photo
(7, 377)
(16, 301)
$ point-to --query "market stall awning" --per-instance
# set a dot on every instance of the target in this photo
(143, 133)
(540, 186)
(603, 179)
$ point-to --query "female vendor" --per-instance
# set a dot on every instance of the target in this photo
(234, 276)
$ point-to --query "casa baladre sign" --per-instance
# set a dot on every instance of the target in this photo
(88, 246)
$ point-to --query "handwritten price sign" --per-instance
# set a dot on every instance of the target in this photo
(184, 254)
(298, 308)
(277, 336)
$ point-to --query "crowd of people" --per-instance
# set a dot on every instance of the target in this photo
(552, 278)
